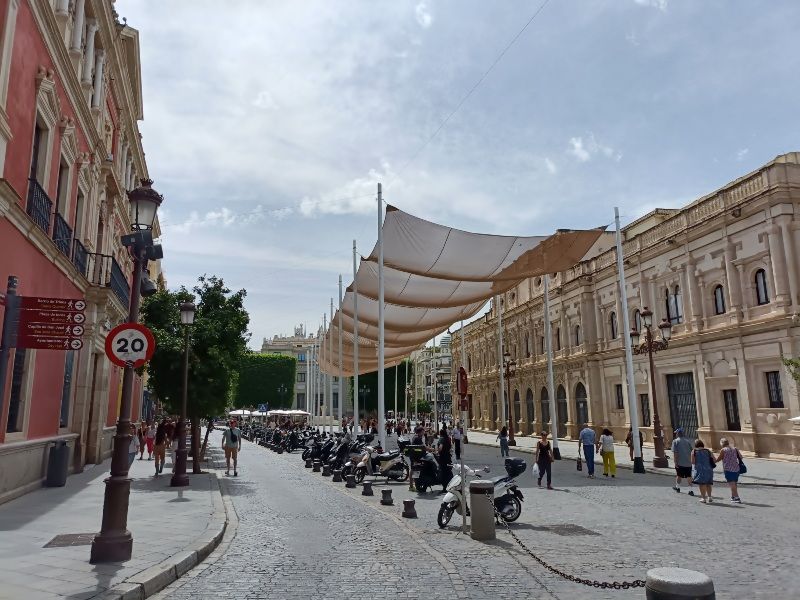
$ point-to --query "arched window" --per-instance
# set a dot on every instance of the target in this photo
(469, 363)
(544, 397)
(762, 295)
(558, 338)
(578, 339)
(561, 410)
(494, 408)
(613, 322)
(674, 304)
(527, 346)
(719, 300)
(529, 405)
(637, 320)
(541, 345)
(581, 404)
(517, 406)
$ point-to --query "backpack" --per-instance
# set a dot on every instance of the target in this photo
(234, 437)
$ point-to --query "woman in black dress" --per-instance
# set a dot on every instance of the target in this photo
(544, 459)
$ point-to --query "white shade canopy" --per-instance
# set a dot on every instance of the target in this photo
(239, 412)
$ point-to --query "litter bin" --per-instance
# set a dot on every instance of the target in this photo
(57, 465)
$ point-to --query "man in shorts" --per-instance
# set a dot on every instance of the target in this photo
(682, 455)
(232, 443)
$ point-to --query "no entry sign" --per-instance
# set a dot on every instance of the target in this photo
(130, 343)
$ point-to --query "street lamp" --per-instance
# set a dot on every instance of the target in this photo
(510, 367)
(364, 391)
(649, 346)
(114, 543)
(179, 477)
(281, 390)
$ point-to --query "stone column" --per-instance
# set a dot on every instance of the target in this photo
(77, 27)
(696, 300)
(62, 8)
(787, 234)
(743, 289)
(778, 262)
(598, 320)
(703, 298)
(88, 61)
(731, 274)
(98, 78)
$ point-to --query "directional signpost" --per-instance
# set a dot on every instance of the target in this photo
(50, 323)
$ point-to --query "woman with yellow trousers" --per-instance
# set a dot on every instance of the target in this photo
(606, 449)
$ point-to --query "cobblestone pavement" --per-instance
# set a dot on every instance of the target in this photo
(301, 535)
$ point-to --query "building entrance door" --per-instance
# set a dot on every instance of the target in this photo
(682, 404)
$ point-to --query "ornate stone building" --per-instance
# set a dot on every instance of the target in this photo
(723, 270)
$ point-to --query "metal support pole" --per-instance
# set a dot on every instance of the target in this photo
(179, 477)
(341, 372)
(633, 408)
(356, 412)
(499, 308)
(551, 392)
(114, 543)
(435, 381)
(330, 376)
(381, 374)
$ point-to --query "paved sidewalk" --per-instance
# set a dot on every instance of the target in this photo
(173, 529)
(759, 470)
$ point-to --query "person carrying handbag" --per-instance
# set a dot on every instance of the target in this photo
(704, 465)
(733, 466)
(544, 460)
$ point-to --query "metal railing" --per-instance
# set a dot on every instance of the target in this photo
(62, 235)
(40, 207)
(80, 257)
(103, 270)
(119, 283)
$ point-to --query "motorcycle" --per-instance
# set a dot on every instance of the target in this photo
(507, 495)
(453, 501)
(385, 464)
(430, 473)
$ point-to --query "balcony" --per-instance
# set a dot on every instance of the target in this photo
(104, 270)
(62, 235)
(80, 257)
(40, 207)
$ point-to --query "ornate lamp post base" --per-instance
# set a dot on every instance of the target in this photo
(638, 464)
(661, 462)
(512, 442)
(111, 548)
(180, 477)
(556, 453)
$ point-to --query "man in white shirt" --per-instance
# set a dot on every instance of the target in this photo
(456, 435)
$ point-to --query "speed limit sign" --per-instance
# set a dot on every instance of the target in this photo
(130, 343)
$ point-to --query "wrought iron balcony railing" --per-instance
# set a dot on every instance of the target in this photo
(103, 270)
(40, 207)
(80, 257)
(62, 235)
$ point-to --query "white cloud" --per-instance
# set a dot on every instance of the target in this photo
(551, 166)
(424, 17)
(742, 153)
(224, 218)
(659, 4)
(585, 150)
(357, 196)
(265, 100)
(632, 38)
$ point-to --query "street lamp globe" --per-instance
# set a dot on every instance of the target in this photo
(647, 317)
(666, 329)
(187, 313)
(635, 337)
(144, 204)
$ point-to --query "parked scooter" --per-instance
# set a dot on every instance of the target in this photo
(386, 464)
(507, 495)
(453, 501)
(430, 473)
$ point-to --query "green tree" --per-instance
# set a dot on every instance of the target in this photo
(260, 376)
(368, 404)
(218, 342)
(793, 365)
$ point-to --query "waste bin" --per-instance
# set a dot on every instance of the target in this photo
(58, 465)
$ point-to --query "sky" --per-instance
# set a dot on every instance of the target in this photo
(267, 125)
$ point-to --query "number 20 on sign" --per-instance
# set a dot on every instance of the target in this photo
(130, 343)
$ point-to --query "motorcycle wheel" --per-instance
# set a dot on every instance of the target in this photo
(360, 475)
(401, 473)
(421, 488)
(445, 514)
(517, 511)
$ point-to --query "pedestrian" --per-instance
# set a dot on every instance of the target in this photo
(160, 445)
(682, 455)
(457, 432)
(232, 443)
(732, 463)
(606, 448)
(629, 441)
(418, 440)
(704, 464)
(150, 438)
(134, 446)
(139, 432)
(443, 447)
(544, 460)
(586, 440)
(503, 437)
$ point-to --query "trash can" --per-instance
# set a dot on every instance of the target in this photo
(481, 498)
(57, 465)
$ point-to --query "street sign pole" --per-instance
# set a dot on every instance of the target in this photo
(9, 331)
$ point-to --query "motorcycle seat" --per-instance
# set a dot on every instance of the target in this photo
(496, 480)
(389, 455)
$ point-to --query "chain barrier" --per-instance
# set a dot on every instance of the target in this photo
(616, 585)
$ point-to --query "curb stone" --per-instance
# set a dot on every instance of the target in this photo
(155, 579)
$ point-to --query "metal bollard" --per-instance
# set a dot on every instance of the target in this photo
(351, 481)
(671, 583)
(409, 512)
(482, 511)
(280, 449)
(317, 466)
(367, 491)
(326, 470)
(337, 475)
(386, 497)
(308, 463)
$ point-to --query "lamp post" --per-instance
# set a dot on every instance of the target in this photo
(281, 391)
(510, 369)
(114, 543)
(364, 390)
(408, 395)
(179, 477)
(650, 346)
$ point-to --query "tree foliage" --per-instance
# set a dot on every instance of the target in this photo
(218, 341)
(368, 403)
(260, 376)
(793, 365)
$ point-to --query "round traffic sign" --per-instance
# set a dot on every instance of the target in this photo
(130, 343)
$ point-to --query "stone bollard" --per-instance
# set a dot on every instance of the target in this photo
(367, 491)
(326, 470)
(308, 463)
(386, 497)
(280, 449)
(482, 511)
(337, 475)
(317, 466)
(351, 481)
(409, 512)
(671, 583)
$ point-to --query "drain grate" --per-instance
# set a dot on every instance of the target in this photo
(70, 539)
(565, 529)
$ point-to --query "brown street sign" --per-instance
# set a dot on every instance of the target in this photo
(51, 329)
(51, 316)
(63, 304)
(45, 342)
